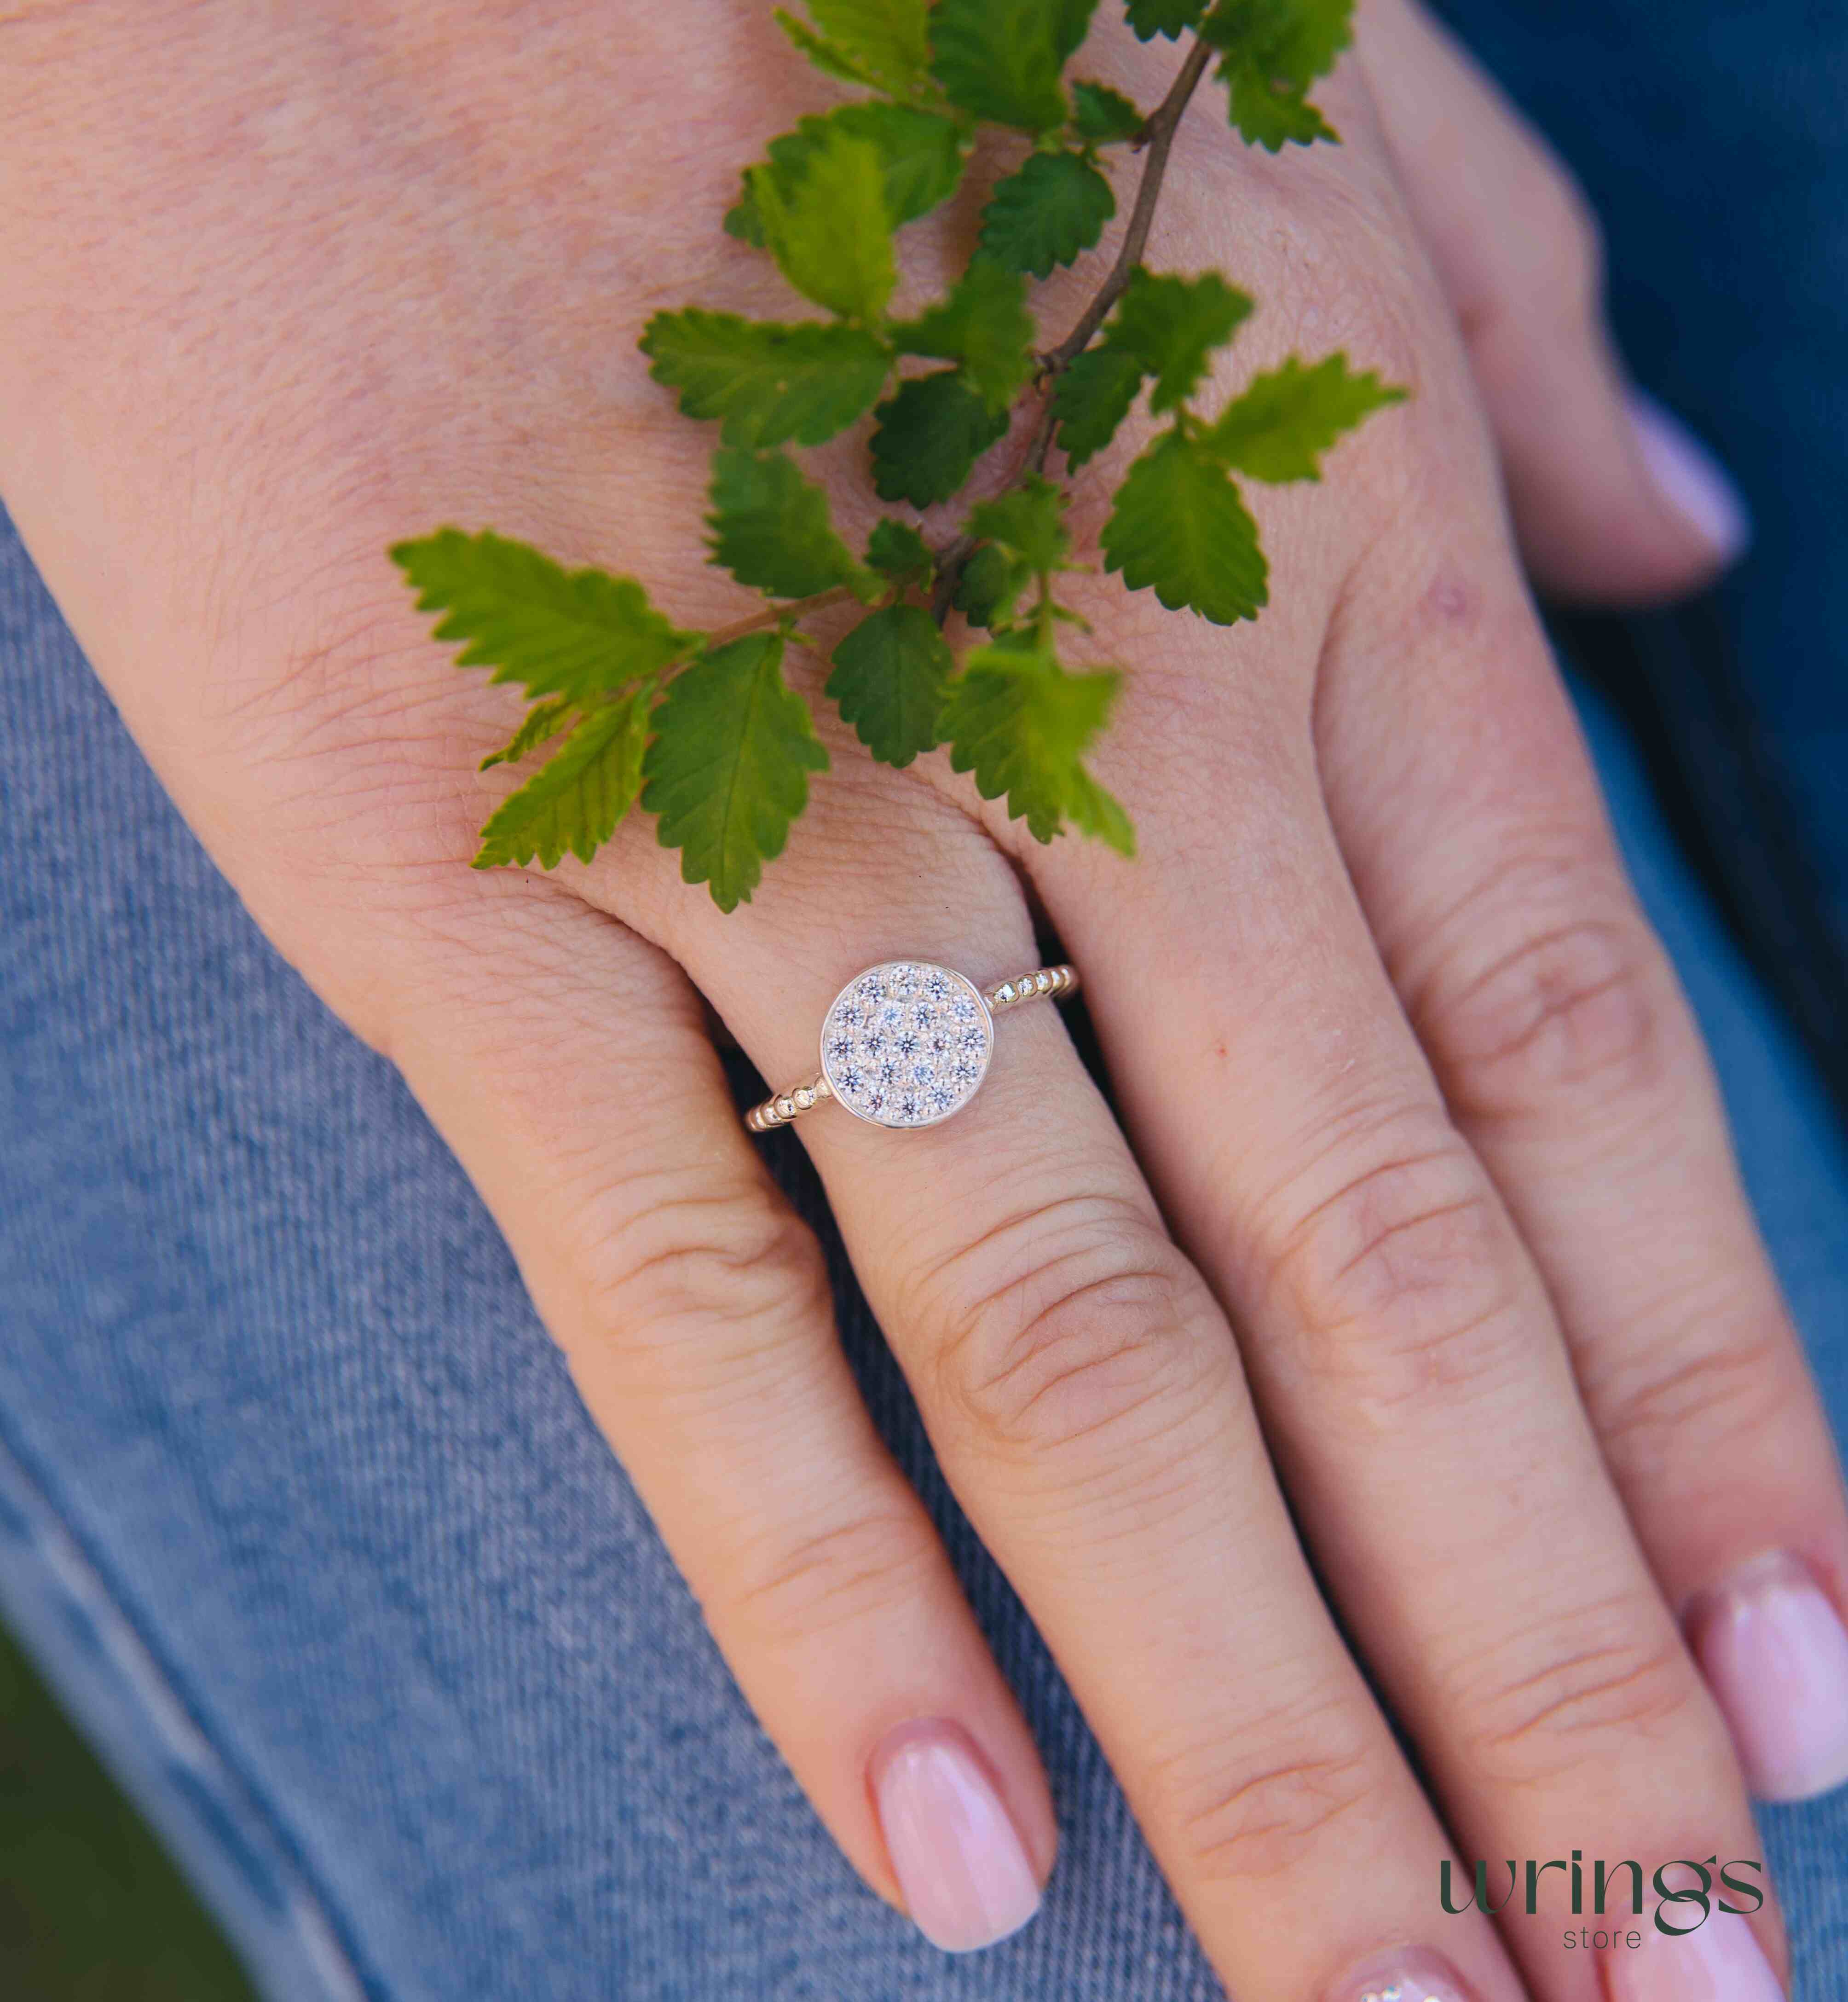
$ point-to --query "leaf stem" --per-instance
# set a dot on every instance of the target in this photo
(1157, 137)
(1156, 140)
(778, 615)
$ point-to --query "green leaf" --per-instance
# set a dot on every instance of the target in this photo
(1266, 115)
(573, 803)
(764, 381)
(828, 226)
(889, 677)
(1288, 417)
(1172, 325)
(1029, 519)
(770, 529)
(990, 586)
(1102, 116)
(728, 770)
(1092, 397)
(1177, 526)
(984, 325)
(1292, 44)
(884, 43)
(543, 719)
(930, 435)
(898, 552)
(1049, 213)
(1002, 59)
(828, 56)
(1021, 723)
(920, 155)
(1273, 51)
(581, 633)
(1171, 18)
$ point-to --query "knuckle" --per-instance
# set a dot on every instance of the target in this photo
(1578, 1007)
(733, 1260)
(1401, 1281)
(1555, 1699)
(1701, 1398)
(852, 1570)
(1071, 1325)
(1257, 1820)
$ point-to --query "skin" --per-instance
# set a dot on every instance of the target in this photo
(1420, 1207)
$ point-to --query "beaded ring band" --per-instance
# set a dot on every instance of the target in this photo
(908, 1044)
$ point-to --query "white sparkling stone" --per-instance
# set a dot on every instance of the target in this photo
(907, 1044)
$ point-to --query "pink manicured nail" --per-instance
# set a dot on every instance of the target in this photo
(1690, 479)
(964, 1873)
(1718, 1961)
(1773, 1649)
(1407, 1974)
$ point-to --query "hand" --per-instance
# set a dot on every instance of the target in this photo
(1407, 1091)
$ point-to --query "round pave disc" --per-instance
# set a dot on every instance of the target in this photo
(907, 1044)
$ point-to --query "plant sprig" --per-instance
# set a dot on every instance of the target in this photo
(702, 728)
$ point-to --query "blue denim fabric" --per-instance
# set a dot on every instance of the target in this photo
(298, 1506)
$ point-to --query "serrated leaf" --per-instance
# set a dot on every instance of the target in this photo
(1028, 519)
(827, 224)
(990, 586)
(543, 720)
(1092, 397)
(1002, 59)
(884, 43)
(1049, 213)
(920, 155)
(930, 434)
(1172, 325)
(829, 57)
(727, 771)
(1265, 114)
(765, 382)
(1288, 417)
(1178, 527)
(1290, 42)
(1171, 18)
(1275, 51)
(581, 633)
(984, 325)
(770, 528)
(889, 677)
(572, 804)
(1021, 724)
(898, 552)
(1102, 116)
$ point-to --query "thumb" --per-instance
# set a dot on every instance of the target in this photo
(1613, 500)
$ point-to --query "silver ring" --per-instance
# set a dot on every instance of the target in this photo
(908, 1044)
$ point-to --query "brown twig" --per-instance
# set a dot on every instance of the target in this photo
(1156, 141)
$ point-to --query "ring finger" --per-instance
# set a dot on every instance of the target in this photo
(1084, 1395)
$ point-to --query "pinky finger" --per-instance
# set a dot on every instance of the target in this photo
(567, 1064)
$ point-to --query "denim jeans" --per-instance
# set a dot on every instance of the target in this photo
(299, 1507)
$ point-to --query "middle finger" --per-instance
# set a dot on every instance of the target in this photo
(1417, 1393)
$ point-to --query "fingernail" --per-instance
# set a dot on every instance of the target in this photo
(1718, 1961)
(1690, 479)
(964, 1871)
(1407, 1974)
(1774, 1654)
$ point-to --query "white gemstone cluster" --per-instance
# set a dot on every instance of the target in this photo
(906, 1043)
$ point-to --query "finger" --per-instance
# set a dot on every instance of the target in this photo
(566, 1062)
(1612, 498)
(1413, 1385)
(1084, 1395)
(1481, 849)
